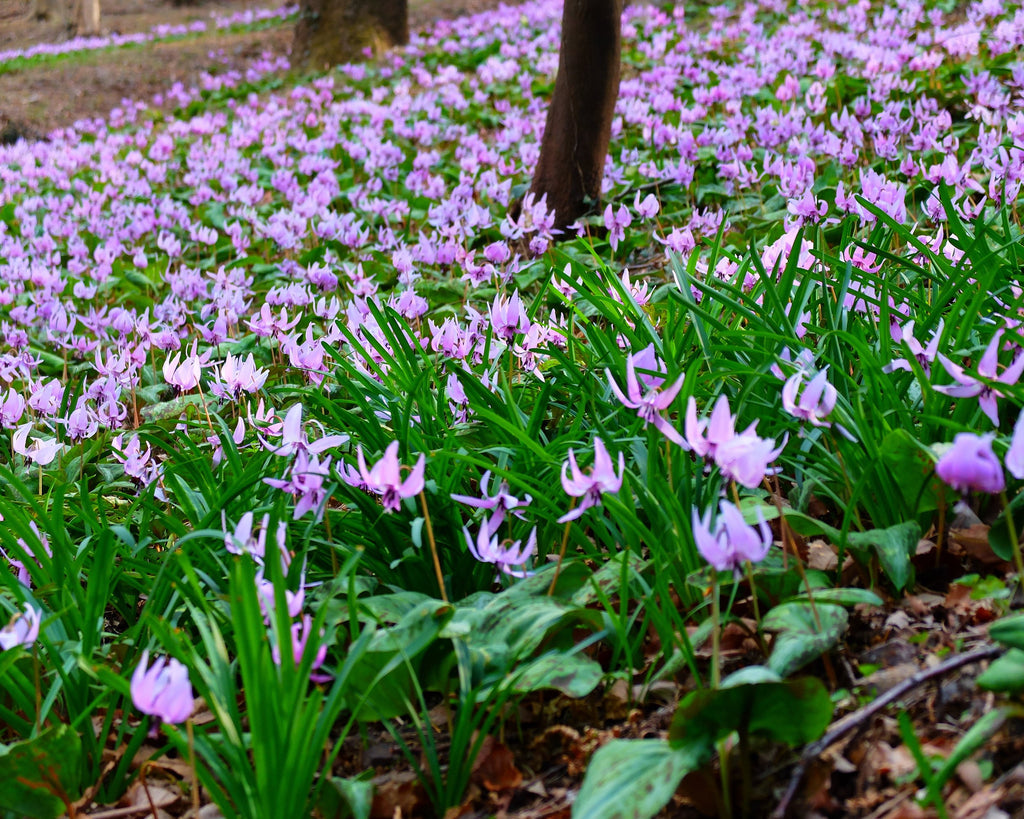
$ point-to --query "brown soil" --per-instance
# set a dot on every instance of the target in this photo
(38, 99)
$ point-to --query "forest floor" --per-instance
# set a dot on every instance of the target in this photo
(37, 99)
(868, 773)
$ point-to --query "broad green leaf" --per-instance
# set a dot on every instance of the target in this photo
(795, 711)
(913, 471)
(999, 533)
(1005, 674)
(1009, 631)
(40, 776)
(633, 778)
(609, 578)
(575, 675)
(799, 639)
(382, 680)
(346, 799)
(845, 597)
(893, 546)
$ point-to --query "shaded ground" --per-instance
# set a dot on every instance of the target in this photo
(36, 100)
(549, 740)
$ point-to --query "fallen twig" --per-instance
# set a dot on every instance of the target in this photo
(851, 721)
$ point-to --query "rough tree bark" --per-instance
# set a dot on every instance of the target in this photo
(330, 32)
(579, 122)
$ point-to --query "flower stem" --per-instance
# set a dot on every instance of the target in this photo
(561, 552)
(433, 546)
(192, 763)
(1011, 527)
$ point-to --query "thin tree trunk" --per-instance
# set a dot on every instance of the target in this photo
(579, 123)
(89, 18)
(330, 32)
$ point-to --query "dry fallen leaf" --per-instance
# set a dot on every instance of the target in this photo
(399, 794)
(494, 767)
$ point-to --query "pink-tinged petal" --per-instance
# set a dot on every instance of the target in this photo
(618, 392)
(933, 345)
(20, 438)
(988, 405)
(292, 427)
(579, 483)
(572, 514)
(670, 432)
(957, 373)
(789, 393)
(990, 358)
(695, 429)
(721, 426)
(669, 395)
(632, 387)
(602, 460)
(1011, 375)
(364, 473)
(413, 485)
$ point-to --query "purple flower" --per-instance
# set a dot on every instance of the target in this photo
(971, 465)
(719, 428)
(185, 374)
(300, 634)
(508, 317)
(22, 630)
(812, 401)
(924, 355)
(500, 502)
(744, 458)
(306, 482)
(294, 439)
(235, 376)
(506, 554)
(967, 386)
(617, 221)
(162, 691)
(650, 403)
(11, 409)
(733, 541)
(385, 479)
(41, 451)
(602, 478)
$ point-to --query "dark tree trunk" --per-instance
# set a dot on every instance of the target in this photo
(330, 32)
(579, 123)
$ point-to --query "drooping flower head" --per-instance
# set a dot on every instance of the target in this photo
(732, 541)
(162, 691)
(385, 478)
(970, 465)
(22, 630)
(602, 478)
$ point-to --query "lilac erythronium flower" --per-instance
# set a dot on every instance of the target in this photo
(967, 386)
(811, 401)
(970, 465)
(652, 401)
(602, 478)
(499, 503)
(385, 478)
(733, 541)
(487, 548)
(294, 437)
(22, 630)
(923, 354)
(742, 457)
(162, 691)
